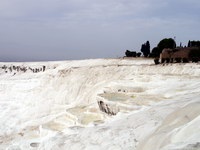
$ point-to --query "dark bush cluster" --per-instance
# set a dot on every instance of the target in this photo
(193, 43)
(132, 54)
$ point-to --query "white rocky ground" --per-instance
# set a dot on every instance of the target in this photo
(113, 104)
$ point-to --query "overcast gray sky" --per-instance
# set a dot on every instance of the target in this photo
(35, 30)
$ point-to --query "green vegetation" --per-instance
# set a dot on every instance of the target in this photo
(164, 43)
(145, 49)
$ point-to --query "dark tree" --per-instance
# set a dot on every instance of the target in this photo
(148, 47)
(155, 52)
(180, 45)
(130, 53)
(145, 49)
(165, 43)
(138, 54)
(189, 44)
(194, 43)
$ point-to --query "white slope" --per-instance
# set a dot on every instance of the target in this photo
(157, 106)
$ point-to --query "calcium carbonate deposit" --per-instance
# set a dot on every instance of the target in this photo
(100, 104)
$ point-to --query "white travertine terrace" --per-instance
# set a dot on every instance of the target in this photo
(153, 106)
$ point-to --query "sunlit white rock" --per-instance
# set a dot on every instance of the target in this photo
(153, 106)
